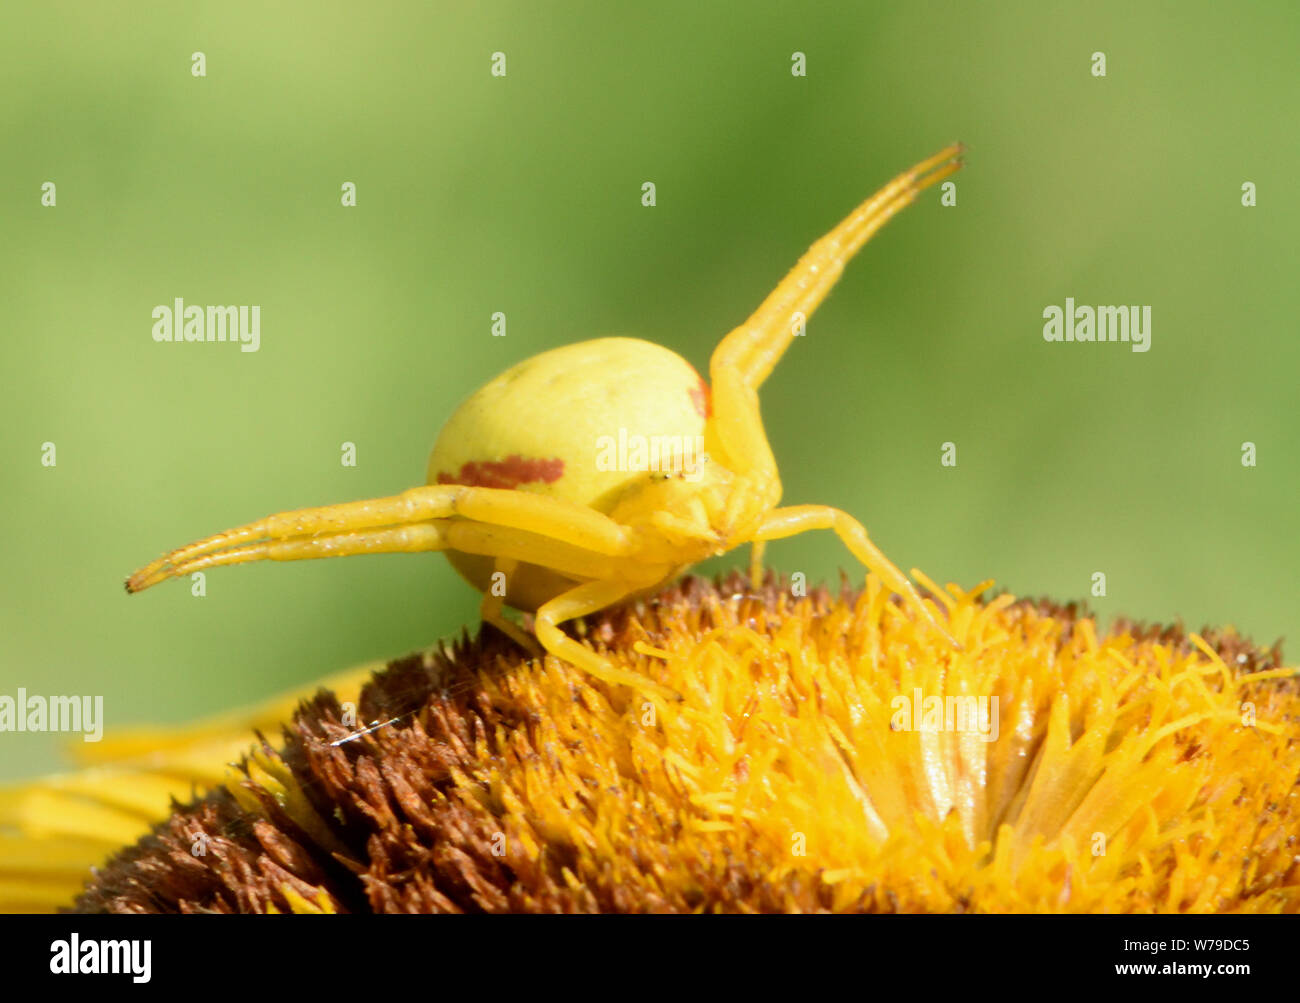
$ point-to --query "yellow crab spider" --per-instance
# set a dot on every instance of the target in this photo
(542, 488)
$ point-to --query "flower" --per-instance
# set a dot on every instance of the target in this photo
(55, 829)
(815, 763)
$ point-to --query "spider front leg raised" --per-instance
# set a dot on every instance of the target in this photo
(749, 353)
(746, 356)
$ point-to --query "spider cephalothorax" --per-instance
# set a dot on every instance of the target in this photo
(596, 472)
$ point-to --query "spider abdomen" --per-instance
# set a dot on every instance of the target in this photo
(586, 422)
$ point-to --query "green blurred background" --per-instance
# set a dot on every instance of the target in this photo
(522, 194)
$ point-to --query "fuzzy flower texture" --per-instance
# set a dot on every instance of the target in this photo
(829, 753)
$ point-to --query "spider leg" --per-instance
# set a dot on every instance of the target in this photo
(746, 356)
(435, 534)
(554, 518)
(756, 549)
(783, 522)
(534, 548)
(588, 598)
(758, 344)
(490, 611)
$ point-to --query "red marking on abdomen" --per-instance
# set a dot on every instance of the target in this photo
(508, 473)
(702, 399)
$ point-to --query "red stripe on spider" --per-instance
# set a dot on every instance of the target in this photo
(702, 399)
(511, 472)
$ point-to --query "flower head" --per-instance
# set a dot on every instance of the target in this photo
(830, 753)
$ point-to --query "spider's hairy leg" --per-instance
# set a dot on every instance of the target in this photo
(783, 522)
(588, 598)
(754, 348)
(745, 357)
(271, 538)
